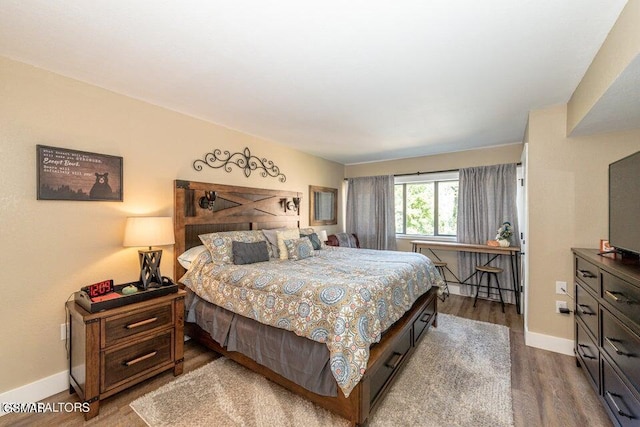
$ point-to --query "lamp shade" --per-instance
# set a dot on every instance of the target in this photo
(149, 231)
(323, 235)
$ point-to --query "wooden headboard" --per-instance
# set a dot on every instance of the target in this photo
(236, 208)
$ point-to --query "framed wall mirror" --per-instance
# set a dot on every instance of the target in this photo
(323, 205)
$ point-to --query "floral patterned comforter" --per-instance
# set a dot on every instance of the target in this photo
(342, 297)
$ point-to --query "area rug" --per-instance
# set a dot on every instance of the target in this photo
(460, 375)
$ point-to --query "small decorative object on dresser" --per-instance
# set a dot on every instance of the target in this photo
(114, 349)
(605, 247)
(504, 234)
(607, 331)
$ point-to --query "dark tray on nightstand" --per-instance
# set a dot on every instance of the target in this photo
(83, 300)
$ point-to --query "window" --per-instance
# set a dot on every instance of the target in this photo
(427, 204)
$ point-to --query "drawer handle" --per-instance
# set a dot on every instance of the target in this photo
(612, 295)
(586, 274)
(140, 359)
(394, 360)
(620, 412)
(141, 323)
(611, 341)
(584, 354)
(582, 307)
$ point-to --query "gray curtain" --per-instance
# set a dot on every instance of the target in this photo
(371, 211)
(486, 199)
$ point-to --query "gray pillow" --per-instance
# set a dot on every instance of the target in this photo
(249, 253)
(315, 240)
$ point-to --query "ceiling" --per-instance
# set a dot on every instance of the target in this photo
(350, 81)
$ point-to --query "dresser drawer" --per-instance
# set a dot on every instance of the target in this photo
(393, 359)
(423, 320)
(125, 363)
(623, 346)
(624, 406)
(622, 295)
(589, 356)
(588, 274)
(124, 326)
(587, 310)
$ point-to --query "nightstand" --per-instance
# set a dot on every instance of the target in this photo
(114, 349)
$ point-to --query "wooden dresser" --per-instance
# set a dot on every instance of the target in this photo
(607, 331)
(114, 349)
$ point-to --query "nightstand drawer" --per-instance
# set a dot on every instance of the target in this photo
(122, 327)
(125, 363)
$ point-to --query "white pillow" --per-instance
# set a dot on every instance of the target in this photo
(190, 255)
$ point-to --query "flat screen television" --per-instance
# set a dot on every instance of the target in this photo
(624, 204)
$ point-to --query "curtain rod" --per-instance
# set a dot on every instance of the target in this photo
(425, 173)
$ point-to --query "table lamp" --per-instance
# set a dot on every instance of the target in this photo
(323, 235)
(149, 231)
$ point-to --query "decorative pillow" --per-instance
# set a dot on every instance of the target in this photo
(273, 240)
(307, 231)
(190, 255)
(315, 240)
(298, 249)
(249, 253)
(288, 234)
(220, 246)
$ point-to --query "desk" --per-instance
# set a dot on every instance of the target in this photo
(511, 251)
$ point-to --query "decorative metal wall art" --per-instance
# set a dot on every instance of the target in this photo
(217, 159)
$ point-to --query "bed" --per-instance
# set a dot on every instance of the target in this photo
(360, 321)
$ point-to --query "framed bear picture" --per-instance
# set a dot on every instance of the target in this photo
(65, 174)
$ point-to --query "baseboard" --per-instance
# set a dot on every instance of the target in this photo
(455, 289)
(40, 389)
(548, 342)
(37, 390)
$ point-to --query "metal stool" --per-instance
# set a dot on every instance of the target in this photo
(491, 272)
(445, 291)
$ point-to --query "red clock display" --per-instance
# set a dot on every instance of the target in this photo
(98, 289)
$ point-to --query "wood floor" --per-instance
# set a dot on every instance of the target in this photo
(548, 389)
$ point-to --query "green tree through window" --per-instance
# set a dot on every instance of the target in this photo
(427, 208)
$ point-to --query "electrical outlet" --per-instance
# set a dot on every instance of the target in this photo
(561, 304)
(63, 331)
(560, 286)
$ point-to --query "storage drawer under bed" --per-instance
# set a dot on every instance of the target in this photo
(393, 359)
(420, 325)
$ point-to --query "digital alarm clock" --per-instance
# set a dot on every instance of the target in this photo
(99, 289)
